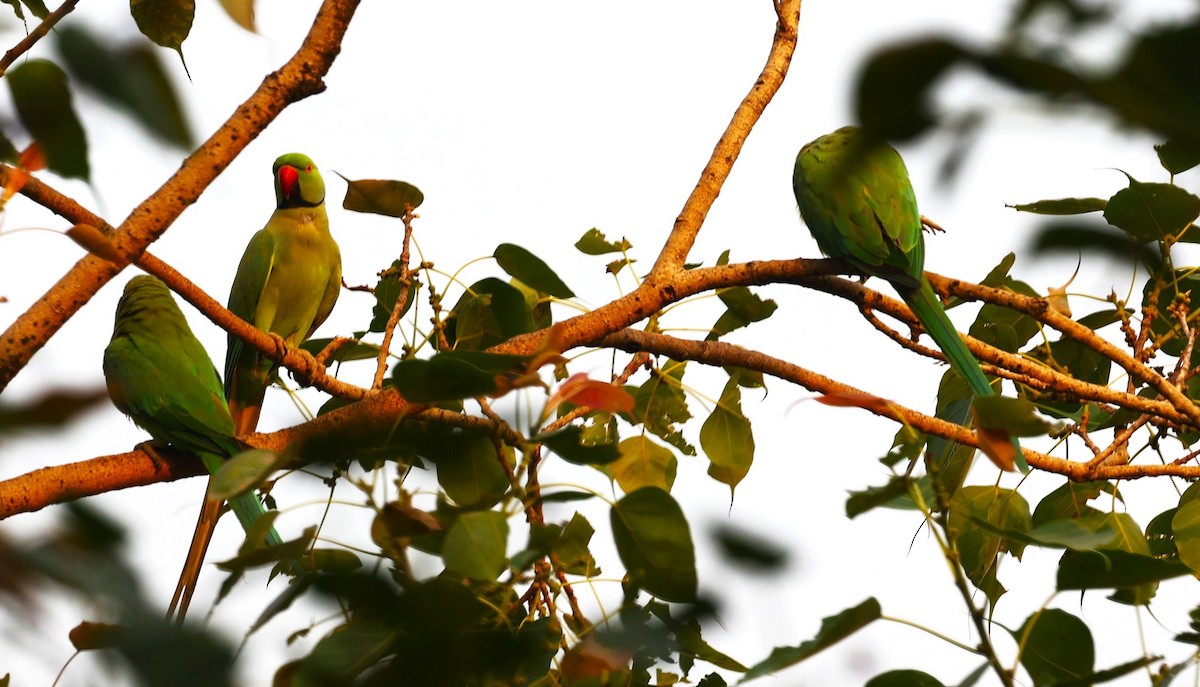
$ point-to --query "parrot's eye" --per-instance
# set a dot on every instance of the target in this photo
(308, 168)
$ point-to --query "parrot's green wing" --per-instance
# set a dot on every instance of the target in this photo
(858, 203)
(159, 375)
(287, 283)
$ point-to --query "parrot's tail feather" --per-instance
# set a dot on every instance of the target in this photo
(926, 305)
(245, 418)
(207, 522)
(928, 308)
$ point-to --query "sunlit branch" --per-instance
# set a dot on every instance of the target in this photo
(300, 77)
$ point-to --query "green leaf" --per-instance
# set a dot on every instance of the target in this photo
(834, 629)
(475, 545)
(860, 502)
(441, 378)
(569, 445)
(1152, 211)
(979, 549)
(469, 470)
(1061, 534)
(43, 102)
(530, 270)
(726, 438)
(642, 463)
(904, 678)
(131, 78)
(1063, 206)
(572, 547)
(1186, 527)
(242, 473)
(1057, 647)
(1070, 501)
(742, 307)
(593, 243)
(660, 404)
(165, 22)
(653, 541)
(387, 291)
(381, 196)
(452, 375)
(490, 312)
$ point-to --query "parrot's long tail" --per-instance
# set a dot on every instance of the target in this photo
(926, 305)
(248, 509)
(207, 522)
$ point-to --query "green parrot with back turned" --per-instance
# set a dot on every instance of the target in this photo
(858, 203)
(161, 377)
(286, 284)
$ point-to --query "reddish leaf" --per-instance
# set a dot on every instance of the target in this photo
(582, 391)
(95, 242)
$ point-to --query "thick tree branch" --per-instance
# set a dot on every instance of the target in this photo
(302, 76)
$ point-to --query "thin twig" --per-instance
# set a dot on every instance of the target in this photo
(37, 34)
(401, 299)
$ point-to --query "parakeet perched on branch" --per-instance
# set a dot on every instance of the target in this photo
(161, 377)
(286, 284)
(858, 203)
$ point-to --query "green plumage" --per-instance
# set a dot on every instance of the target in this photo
(859, 205)
(286, 284)
(161, 377)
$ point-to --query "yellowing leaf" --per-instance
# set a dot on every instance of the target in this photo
(95, 242)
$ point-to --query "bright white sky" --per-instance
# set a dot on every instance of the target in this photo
(531, 124)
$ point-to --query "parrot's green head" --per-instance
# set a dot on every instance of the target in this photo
(298, 184)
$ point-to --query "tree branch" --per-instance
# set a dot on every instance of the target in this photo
(36, 35)
(302, 76)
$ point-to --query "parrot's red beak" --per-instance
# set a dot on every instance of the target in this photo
(288, 176)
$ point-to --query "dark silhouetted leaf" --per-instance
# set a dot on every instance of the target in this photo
(130, 78)
(1058, 647)
(51, 409)
(749, 549)
(1150, 211)
(904, 678)
(1063, 206)
(1177, 157)
(43, 102)
(893, 101)
(568, 443)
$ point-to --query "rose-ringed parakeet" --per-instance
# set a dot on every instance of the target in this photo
(161, 377)
(286, 283)
(858, 203)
